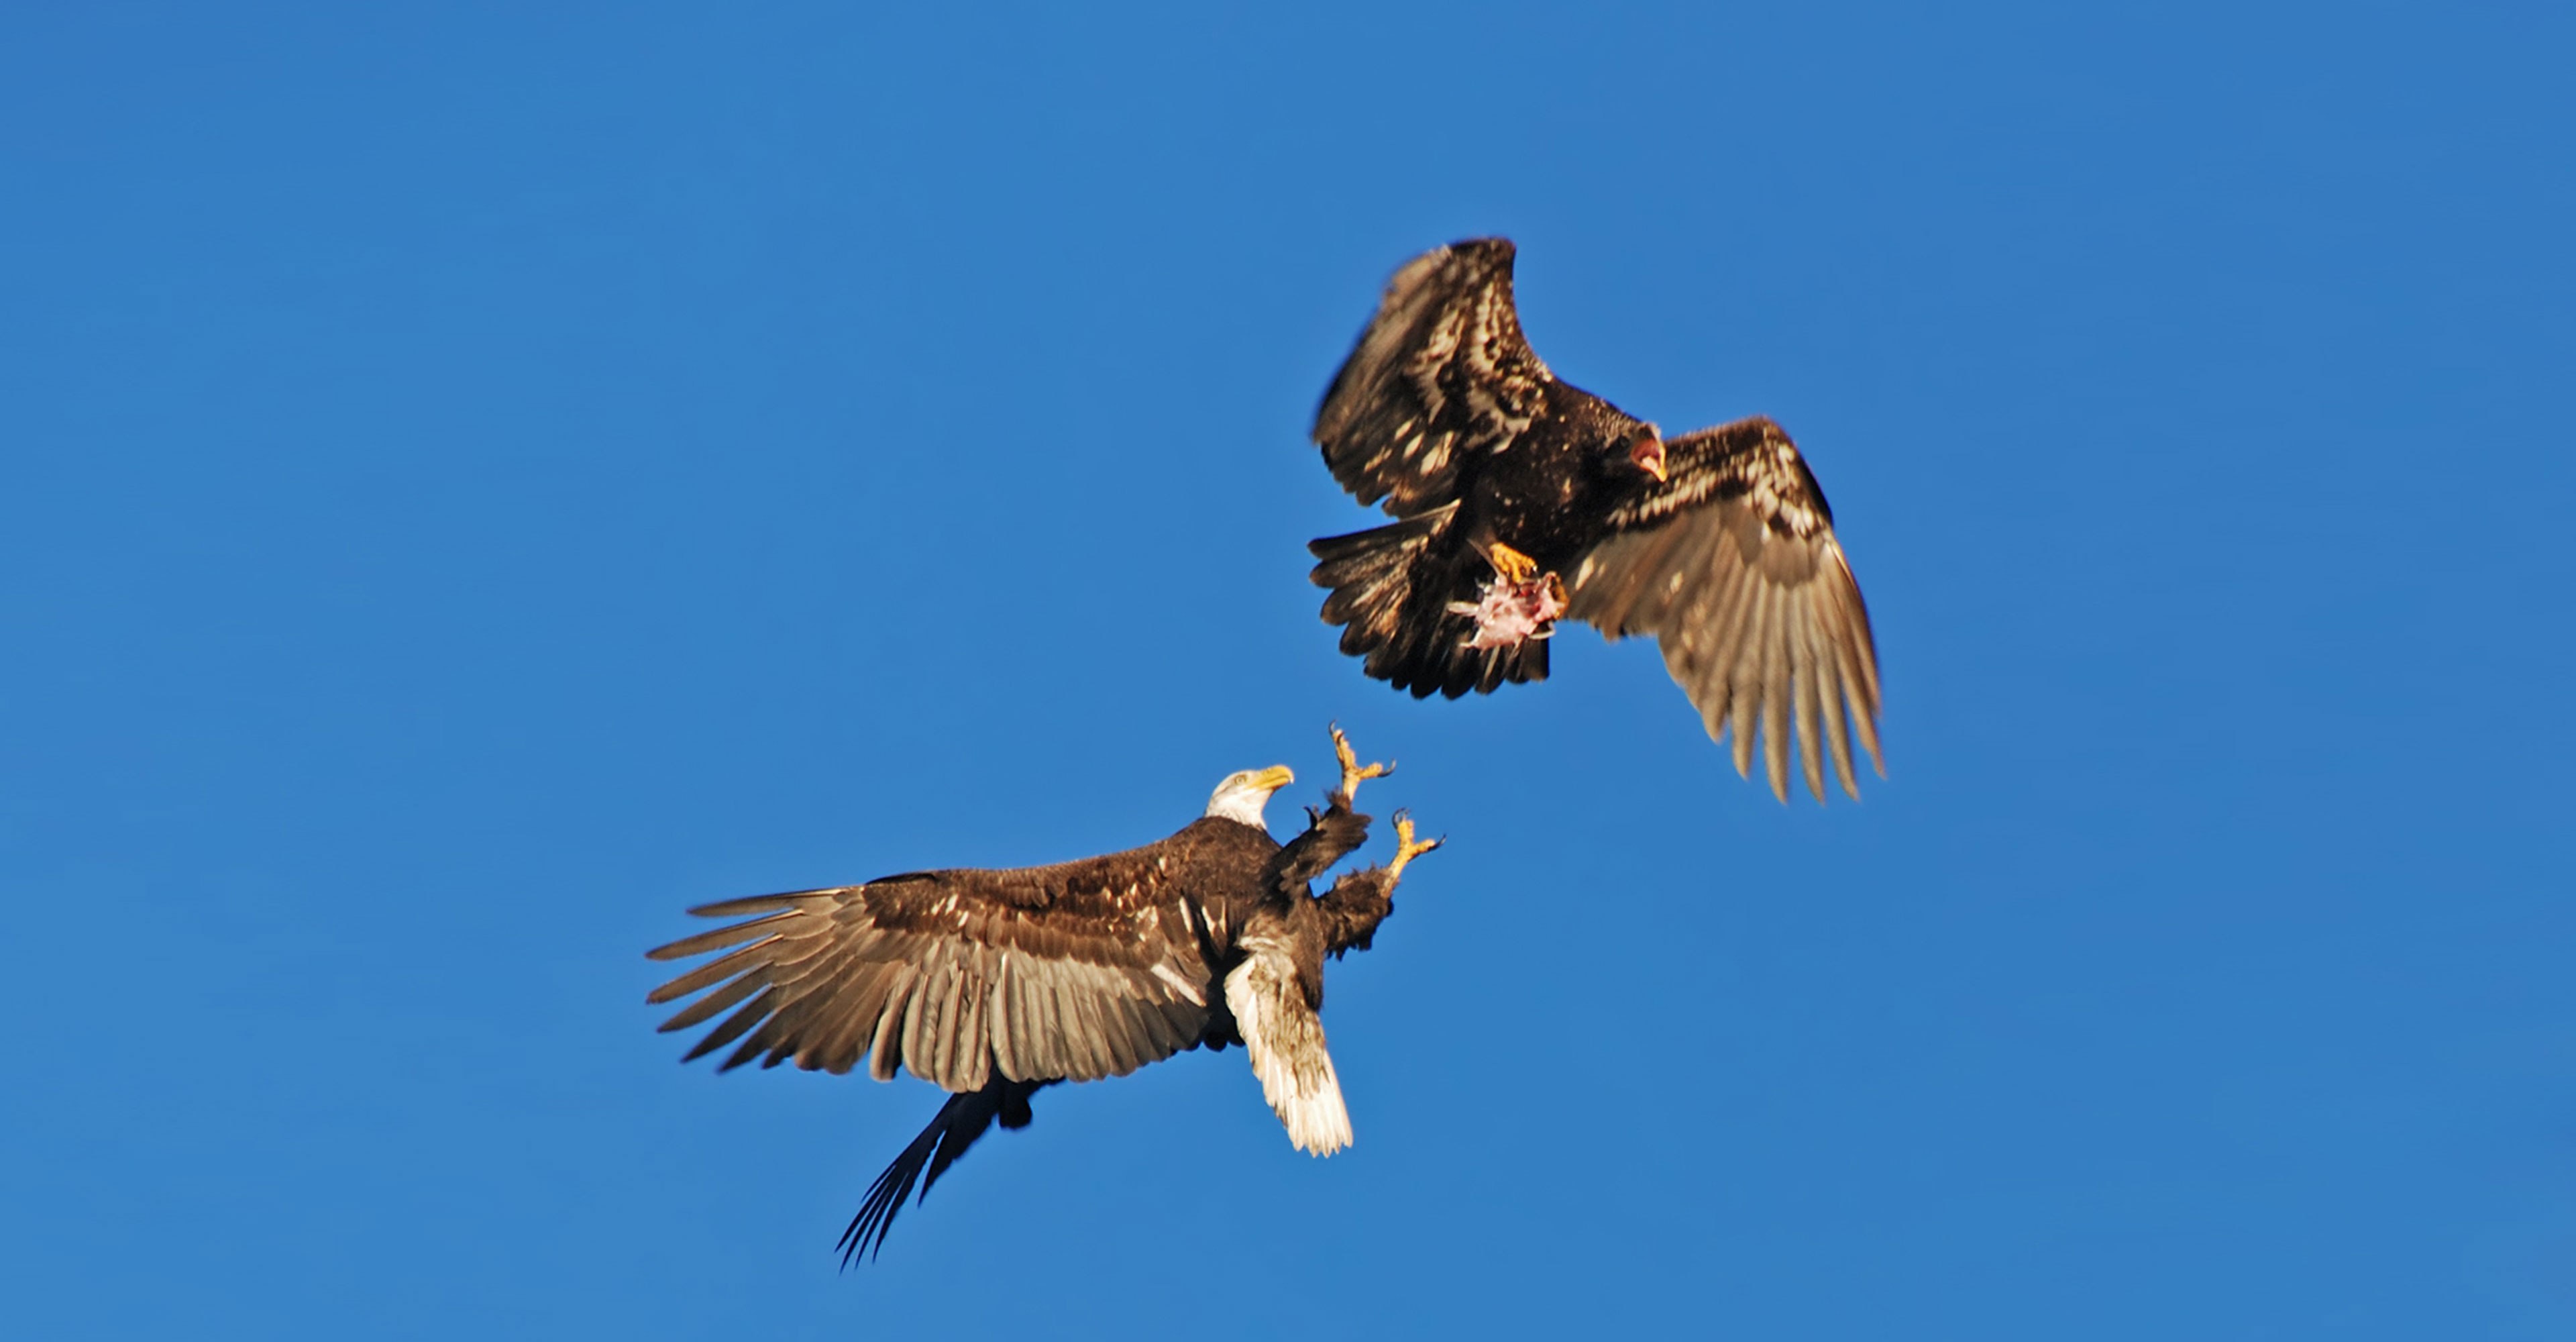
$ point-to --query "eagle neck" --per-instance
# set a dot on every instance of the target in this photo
(1243, 808)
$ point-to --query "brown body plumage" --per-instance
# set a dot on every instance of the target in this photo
(1718, 543)
(992, 984)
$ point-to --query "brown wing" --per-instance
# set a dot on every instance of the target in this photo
(1441, 372)
(1732, 565)
(1080, 970)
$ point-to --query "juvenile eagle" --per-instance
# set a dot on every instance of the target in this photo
(994, 984)
(1523, 498)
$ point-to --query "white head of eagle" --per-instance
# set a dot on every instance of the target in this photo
(1245, 792)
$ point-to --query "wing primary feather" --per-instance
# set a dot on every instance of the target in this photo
(1724, 625)
(1117, 1031)
(707, 1007)
(1747, 683)
(885, 1047)
(1004, 1011)
(919, 1018)
(1131, 1031)
(819, 993)
(943, 1035)
(1810, 750)
(1775, 694)
(1114, 1032)
(856, 1002)
(1073, 1036)
(1095, 1034)
(761, 1041)
(750, 1015)
(846, 1018)
(1858, 659)
(810, 985)
(1047, 1037)
(1028, 1020)
(719, 938)
(1829, 706)
(1084, 1052)
(970, 1055)
(713, 971)
(1856, 622)
(793, 899)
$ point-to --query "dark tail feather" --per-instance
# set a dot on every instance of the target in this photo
(1391, 593)
(958, 1125)
(1371, 574)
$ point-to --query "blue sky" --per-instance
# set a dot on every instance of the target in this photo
(478, 482)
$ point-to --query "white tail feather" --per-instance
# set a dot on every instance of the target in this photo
(1286, 1042)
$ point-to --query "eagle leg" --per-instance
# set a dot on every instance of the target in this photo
(1406, 849)
(1514, 567)
(1354, 773)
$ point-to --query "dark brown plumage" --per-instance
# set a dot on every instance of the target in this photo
(994, 984)
(1522, 498)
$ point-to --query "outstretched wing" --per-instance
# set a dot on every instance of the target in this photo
(1732, 565)
(1286, 1041)
(1080, 970)
(1440, 373)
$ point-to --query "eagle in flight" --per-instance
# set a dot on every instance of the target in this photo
(994, 984)
(1521, 499)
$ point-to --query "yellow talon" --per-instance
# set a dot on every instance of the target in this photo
(1515, 567)
(1353, 772)
(1405, 848)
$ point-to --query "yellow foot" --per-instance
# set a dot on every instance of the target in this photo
(1515, 567)
(1353, 772)
(1405, 848)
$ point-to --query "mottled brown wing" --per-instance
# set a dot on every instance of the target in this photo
(1440, 373)
(1732, 565)
(1079, 970)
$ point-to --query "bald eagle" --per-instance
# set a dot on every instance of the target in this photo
(1523, 499)
(995, 984)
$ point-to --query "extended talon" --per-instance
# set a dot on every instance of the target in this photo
(1405, 848)
(1514, 566)
(1353, 772)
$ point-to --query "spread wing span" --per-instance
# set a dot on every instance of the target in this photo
(1079, 970)
(1732, 565)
